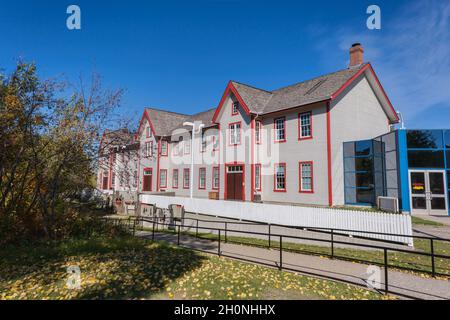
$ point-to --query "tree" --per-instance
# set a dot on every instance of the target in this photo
(48, 149)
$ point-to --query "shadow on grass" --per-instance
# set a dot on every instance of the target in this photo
(120, 268)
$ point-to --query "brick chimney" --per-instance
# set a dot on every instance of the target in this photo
(356, 55)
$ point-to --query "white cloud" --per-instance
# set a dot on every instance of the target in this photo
(411, 54)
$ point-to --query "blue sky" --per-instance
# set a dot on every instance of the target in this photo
(179, 55)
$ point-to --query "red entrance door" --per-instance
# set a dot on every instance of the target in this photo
(147, 185)
(105, 183)
(235, 183)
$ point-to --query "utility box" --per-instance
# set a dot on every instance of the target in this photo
(214, 195)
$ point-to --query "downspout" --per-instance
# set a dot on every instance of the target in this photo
(330, 179)
(157, 164)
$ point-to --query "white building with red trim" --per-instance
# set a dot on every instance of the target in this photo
(278, 146)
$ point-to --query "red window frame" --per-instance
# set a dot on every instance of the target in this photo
(233, 112)
(299, 125)
(214, 142)
(199, 176)
(282, 164)
(148, 155)
(175, 173)
(258, 165)
(165, 154)
(148, 132)
(229, 133)
(189, 180)
(300, 177)
(275, 130)
(160, 175)
(218, 171)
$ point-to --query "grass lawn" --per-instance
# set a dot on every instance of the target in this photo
(396, 259)
(132, 268)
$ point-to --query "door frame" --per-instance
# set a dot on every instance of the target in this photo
(230, 164)
(151, 179)
(428, 210)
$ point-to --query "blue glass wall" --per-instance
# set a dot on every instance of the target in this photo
(429, 149)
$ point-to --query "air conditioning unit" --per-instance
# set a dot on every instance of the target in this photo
(389, 204)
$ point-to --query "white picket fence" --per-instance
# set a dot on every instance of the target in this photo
(299, 216)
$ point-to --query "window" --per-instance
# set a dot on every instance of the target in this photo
(175, 178)
(424, 139)
(426, 159)
(135, 178)
(280, 131)
(202, 178)
(148, 151)
(235, 108)
(186, 178)
(163, 178)
(164, 148)
(304, 126)
(280, 177)
(203, 144)
(216, 142)
(148, 132)
(306, 177)
(113, 178)
(215, 177)
(258, 127)
(187, 146)
(258, 177)
(235, 133)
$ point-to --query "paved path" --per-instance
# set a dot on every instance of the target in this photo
(403, 284)
(430, 231)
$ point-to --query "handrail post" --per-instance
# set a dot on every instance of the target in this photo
(153, 230)
(179, 231)
(281, 253)
(269, 233)
(433, 268)
(134, 227)
(386, 287)
(226, 238)
(332, 243)
(218, 247)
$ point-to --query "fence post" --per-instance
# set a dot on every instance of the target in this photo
(332, 243)
(386, 287)
(218, 247)
(269, 234)
(226, 238)
(433, 269)
(134, 227)
(153, 231)
(179, 231)
(281, 253)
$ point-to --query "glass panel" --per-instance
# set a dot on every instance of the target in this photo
(363, 164)
(448, 158)
(447, 138)
(350, 179)
(363, 148)
(350, 195)
(448, 179)
(437, 185)
(426, 159)
(349, 149)
(364, 196)
(428, 139)
(417, 182)
(419, 203)
(438, 204)
(378, 147)
(389, 142)
(364, 180)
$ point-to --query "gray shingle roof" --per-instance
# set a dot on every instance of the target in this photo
(165, 122)
(306, 92)
(261, 101)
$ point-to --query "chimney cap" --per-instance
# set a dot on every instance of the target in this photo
(356, 44)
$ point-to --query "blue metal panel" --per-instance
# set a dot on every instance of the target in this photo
(402, 150)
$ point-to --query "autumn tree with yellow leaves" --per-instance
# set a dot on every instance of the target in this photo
(49, 134)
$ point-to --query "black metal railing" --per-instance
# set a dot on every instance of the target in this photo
(177, 226)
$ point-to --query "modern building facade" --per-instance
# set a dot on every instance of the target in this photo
(278, 146)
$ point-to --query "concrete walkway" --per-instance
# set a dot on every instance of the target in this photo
(402, 284)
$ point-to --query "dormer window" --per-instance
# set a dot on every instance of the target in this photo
(235, 108)
(149, 132)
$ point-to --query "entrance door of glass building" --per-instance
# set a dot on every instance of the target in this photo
(428, 192)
